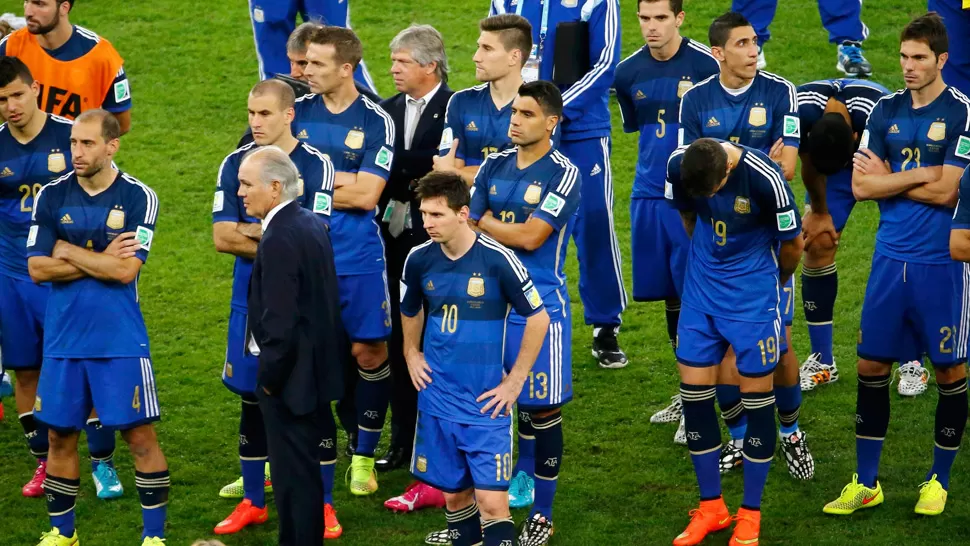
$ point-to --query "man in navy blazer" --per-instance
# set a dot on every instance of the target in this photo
(294, 314)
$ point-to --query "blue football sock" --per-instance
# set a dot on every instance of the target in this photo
(872, 422)
(759, 446)
(153, 492)
(465, 526)
(819, 289)
(328, 455)
(549, 449)
(732, 411)
(672, 314)
(527, 447)
(36, 434)
(498, 532)
(253, 451)
(61, 495)
(951, 420)
(703, 437)
(373, 396)
(789, 402)
(101, 443)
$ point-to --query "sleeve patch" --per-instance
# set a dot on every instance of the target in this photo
(447, 136)
(404, 291)
(786, 220)
(963, 147)
(321, 203)
(792, 127)
(219, 201)
(122, 91)
(668, 190)
(32, 236)
(553, 204)
(144, 236)
(864, 141)
(533, 296)
(384, 158)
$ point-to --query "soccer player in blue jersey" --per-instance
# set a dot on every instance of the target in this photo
(759, 110)
(358, 137)
(91, 232)
(35, 148)
(463, 443)
(745, 240)
(477, 118)
(526, 199)
(649, 85)
(833, 116)
(585, 139)
(915, 290)
(234, 232)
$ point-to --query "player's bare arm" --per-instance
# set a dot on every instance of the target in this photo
(232, 238)
(100, 265)
(418, 367)
(943, 192)
(785, 157)
(47, 269)
(871, 178)
(363, 194)
(960, 245)
(124, 120)
(528, 235)
(817, 219)
(341, 179)
(789, 256)
(690, 220)
(502, 398)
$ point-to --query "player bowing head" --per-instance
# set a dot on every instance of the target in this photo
(444, 206)
(705, 168)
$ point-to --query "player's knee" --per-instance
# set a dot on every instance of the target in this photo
(141, 441)
(871, 367)
(27, 381)
(821, 251)
(459, 500)
(951, 374)
(62, 442)
(369, 355)
(493, 507)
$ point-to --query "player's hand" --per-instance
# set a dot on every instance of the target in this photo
(446, 163)
(502, 398)
(60, 249)
(253, 230)
(776, 149)
(866, 162)
(815, 224)
(123, 246)
(419, 370)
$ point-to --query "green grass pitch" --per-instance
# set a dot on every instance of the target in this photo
(623, 481)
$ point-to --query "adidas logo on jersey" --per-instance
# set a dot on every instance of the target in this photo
(429, 286)
(6, 172)
(639, 95)
(66, 219)
(302, 134)
(492, 190)
(894, 130)
(471, 126)
(596, 170)
(713, 122)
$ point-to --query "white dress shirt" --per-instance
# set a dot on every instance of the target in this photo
(412, 113)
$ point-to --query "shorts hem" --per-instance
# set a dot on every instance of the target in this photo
(492, 487)
(546, 407)
(881, 359)
(759, 374)
(14, 367)
(439, 487)
(947, 365)
(692, 364)
(651, 298)
(370, 339)
(238, 391)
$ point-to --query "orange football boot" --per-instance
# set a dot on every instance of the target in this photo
(244, 514)
(747, 528)
(331, 527)
(712, 516)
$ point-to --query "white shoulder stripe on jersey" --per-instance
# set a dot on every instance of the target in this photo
(60, 119)
(630, 56)
(569, 179)
(966, 103)
(33, 215)
(412, 251)
(777, 182)
(3, 127)
(222, 166)
(792, 92)
(605, 61)
(151, 206)
(388, 122)
(306, 97)
(4, 40)
(520, 271)
(87, 34)
(886, 98)
(328, 170)
(700, 47)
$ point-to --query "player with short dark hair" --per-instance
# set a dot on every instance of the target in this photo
(234, 232)
(760, 110)
(91, 232)
(78, 69)
(914, 149)
(649, 85)
(35, 148)
(358, 136)
(477, 118)
(463, 441)
(745, 240)
(526, 198)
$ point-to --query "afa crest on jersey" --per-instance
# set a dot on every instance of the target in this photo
(758, 116)
(116, 219)
(742, 205)
(56, 162)
(354, 139)
(532, 194)
(476, 287)
(937, 131)
(683, 87)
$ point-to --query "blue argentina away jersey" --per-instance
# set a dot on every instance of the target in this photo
(548, 190)
(464, 337)
(649, 93)
(961, 217)
(858, 96)
(908, 138)
(732, 268)
(358, 140)
(89, 318)
(480, 127)
(316, 194)
(765, 112)
(24, 170)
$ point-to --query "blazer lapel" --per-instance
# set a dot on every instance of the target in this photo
(432, 111)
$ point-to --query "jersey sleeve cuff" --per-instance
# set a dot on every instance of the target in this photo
(380, 173)
(410, 313)
(44, 253)
(959, 226)
(547, 219)
(788, 235)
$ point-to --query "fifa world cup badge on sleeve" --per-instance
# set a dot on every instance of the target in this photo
(56, 162)
(354, 140)
(144, 236)
(299, 186)
(963, 147)
(532, 194)
(116, 219)
(553, 204)
(792, 127)
(321, 203)
(476, 287)
(786, 220)
(218, 202)
(758, 116)
(384, 158)
(937, 131)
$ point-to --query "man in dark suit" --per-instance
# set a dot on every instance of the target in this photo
(294, 314)
(420, 70)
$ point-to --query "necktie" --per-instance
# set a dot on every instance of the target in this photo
(414, 114)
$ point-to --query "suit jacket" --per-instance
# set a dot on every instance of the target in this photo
(410, 165)
(294, 312)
